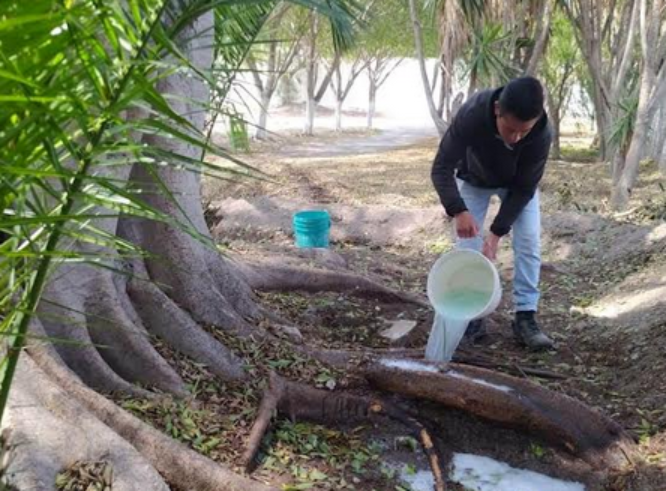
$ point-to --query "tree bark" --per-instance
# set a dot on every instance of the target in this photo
(554, 116)
(372, 95)
(311, 75)
(262, 124)
(586, 16)
(627, 172)
(420, 54)
(326, 81)
(541, 35)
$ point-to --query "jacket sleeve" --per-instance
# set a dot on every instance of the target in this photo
(451, 151)
(531, 166)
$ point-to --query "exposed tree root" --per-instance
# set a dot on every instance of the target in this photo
(298, 401)
(164, 318)
(178, 266)
(49, 431)
(78, 350)
(271, 276)
(126, 345)
(177, 464)
(512, 402)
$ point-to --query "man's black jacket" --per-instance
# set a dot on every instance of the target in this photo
(474, 151)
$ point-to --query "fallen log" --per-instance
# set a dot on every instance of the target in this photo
(510, 402)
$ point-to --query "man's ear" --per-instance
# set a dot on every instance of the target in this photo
(497, 108)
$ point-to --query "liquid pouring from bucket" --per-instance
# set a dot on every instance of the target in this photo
(463, 285)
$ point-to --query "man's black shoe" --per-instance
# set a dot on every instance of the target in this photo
(527, 332)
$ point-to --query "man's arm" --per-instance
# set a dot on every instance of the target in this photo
(451, 150)
(530, 170)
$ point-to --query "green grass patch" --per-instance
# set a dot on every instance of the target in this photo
(586, 154)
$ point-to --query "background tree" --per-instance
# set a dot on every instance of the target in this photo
(652, 88)
(423, 50)
(342, 83)
(605, 34)
(382, 45)
(558, 70)
(272, 57)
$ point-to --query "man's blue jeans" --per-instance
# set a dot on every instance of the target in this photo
(526, 240)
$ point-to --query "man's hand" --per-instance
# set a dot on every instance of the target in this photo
(490, 245)
(466, 227)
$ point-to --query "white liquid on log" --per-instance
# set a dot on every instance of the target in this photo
(458, 307)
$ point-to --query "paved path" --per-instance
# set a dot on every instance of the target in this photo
(386, 139)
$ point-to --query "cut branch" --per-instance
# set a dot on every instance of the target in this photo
(298, 401)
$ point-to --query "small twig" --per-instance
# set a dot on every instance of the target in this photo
(626, 456)
(423, 436)
(487, 362)
(538, 372)
(520, 370)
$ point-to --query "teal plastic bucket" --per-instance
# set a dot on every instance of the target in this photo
(311, 228)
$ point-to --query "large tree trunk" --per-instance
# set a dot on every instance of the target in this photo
(113, 318)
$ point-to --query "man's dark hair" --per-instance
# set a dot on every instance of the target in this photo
(523, 98)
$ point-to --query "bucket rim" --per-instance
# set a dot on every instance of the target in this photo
(453, 252)
(304, 213)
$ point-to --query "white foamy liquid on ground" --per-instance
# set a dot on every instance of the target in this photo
(502, 388)
(479, 473)
(411, 366)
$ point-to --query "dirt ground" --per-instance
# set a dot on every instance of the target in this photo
(611, 358)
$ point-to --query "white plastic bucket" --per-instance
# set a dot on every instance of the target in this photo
(461, 270)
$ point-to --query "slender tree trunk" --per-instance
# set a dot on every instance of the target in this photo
(310, 110)
(327, 78)
(311, 76)
(262, 124)
(435, 76)
(420, 55)
(649, 24)
(444, 89)
(629, 171)
(473, 80)
(372, 93)
(658, 130)
(338, 114)
(541, 35)
(554, 115)
(590, 37)
(603, 121)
